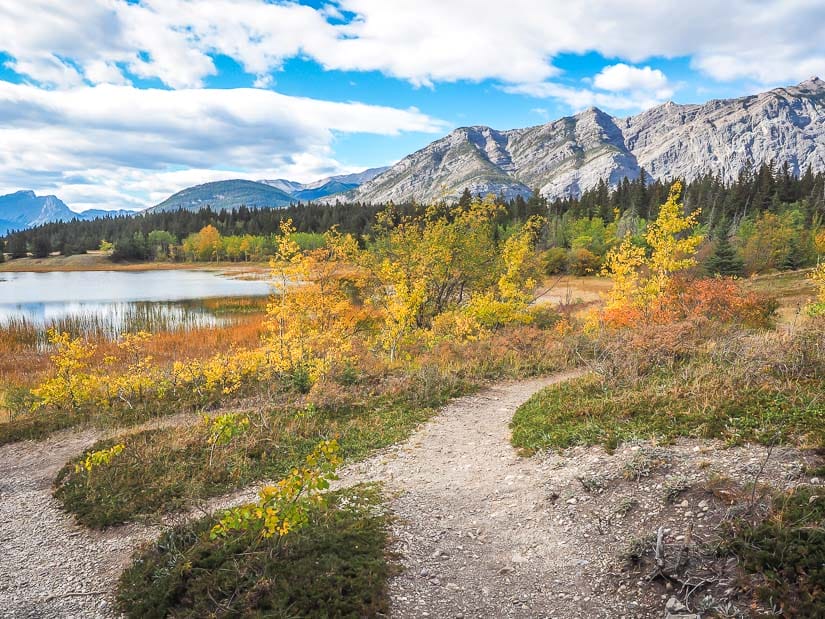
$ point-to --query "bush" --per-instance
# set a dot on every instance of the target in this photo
(584, 262)
(554, 261)
(334, 567)
(786, 550)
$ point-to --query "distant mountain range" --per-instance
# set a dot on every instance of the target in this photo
(262, 194)
(225, 195)
(24, 209)
(326, 186)
(567, 156)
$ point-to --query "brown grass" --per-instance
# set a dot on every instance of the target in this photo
(97, 261)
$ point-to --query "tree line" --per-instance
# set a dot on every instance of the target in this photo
(767, 218)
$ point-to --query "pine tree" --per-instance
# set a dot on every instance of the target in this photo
(795, 257)
(725, 260)
(17, 246)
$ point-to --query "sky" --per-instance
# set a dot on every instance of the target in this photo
(119, 103)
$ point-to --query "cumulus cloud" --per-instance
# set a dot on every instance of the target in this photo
(580, 98)
(136, 143)
(422, 41)
(625, 77)
(616, 87)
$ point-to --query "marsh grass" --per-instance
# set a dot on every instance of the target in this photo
(25, 361)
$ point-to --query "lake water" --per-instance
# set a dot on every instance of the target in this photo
(110, 302)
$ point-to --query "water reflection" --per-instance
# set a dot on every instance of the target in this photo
(108, 303)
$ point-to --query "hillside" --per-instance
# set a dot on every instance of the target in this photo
(225, 195)
(326, 186)
(566, 156)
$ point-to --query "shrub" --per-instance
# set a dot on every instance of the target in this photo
(334, 567)
(554, 261)
(786, 550)
(584, 262)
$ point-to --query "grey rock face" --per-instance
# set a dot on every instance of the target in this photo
(567, 156)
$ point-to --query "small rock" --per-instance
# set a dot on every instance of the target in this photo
(572, 501)
(674, 605)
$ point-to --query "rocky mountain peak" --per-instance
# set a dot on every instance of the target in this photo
(571, 154)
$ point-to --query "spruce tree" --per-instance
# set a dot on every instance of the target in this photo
(17, 246)
(725, 260)
(794, 258)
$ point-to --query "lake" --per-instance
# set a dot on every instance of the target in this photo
(110, 302)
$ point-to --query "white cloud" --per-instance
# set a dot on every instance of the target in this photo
(422, 41)
(625, 77)
(616, 87)
(120, 144)
(580, 98)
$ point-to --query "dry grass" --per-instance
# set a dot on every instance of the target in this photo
(572, 290)
(98, 261)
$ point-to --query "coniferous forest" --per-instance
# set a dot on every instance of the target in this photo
(767, 219)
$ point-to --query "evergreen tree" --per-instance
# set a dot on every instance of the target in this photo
(17, 246)
(795, 257)
(725, 260)
(41, 246)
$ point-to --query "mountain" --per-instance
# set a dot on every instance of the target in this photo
(324, 187)
(24, 209)
(225, 194)
(566, 156)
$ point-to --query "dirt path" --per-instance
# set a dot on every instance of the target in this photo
(51, 567)
(472, 529)
(463, 493)
(479, 531)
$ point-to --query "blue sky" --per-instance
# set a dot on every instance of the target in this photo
(116, 104)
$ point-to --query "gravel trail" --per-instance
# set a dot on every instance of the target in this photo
(51, 567)
(471, 529)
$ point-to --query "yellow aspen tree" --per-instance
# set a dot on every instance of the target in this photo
(622, 265)
(637, 278)
(312, 317)
(672, 250)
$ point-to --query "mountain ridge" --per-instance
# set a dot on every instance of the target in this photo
(564, 157)
(24, 209)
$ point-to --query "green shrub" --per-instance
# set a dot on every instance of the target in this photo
(554, 261)
(584, 262)
(335, 566)
(786, 549)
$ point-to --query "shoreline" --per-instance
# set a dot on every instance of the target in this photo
(100, 262)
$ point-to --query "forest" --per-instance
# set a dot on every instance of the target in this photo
(767, 219)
